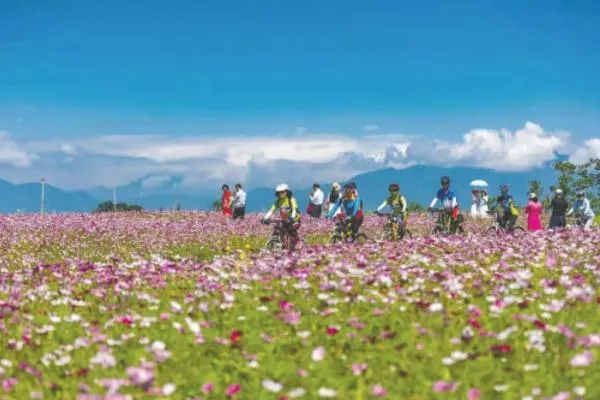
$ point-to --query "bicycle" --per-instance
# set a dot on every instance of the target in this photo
(499, 226)
(444, 225)
(280, 238)
(395, 227)
(343, 232)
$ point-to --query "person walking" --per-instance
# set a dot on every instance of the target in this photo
(316, 201)
(559, 208)
(334, 195)
(238, 202)
(534, 211)
(226, 200)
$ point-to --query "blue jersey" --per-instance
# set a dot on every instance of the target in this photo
(505, 201)
(350, 207)
(447, 198)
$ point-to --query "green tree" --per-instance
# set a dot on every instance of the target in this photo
(535, 186)
(216, 205)
(415, 207)
(585, 176)
(109, 206)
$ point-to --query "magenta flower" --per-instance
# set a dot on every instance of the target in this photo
(233, 389)
(332, 330)
(9, 384)
(207, 388)
(473, 394)
(378, 391)
(443, 386)
(358, 369)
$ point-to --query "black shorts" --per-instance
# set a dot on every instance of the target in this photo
(239, 212)
(316, 211)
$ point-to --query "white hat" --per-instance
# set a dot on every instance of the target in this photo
(532, 195)
(559, 191)
(281, 187)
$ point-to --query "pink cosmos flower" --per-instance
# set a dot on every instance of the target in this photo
(207, 388)
(378, 391)
(318, 354)
(332, 330)
(140, 376)
(358, 369)
(473, 394)
(9, 384)
(583, 359)
(233, 389)
(443, 386)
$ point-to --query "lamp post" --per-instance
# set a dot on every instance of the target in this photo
(115, 199)
(43, 181)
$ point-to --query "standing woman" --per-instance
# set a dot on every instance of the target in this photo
(226, 201)
(559, 209)
(333, 196)
(534, 211)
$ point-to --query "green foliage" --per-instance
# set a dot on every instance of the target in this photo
(216, 205)
(109, 206)
(415, 207)
(572, 178)
(535, 186)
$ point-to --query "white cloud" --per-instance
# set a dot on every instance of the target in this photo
(528, 147)
(590, 149)
(11, 153)
(266, 160)
(155, 181)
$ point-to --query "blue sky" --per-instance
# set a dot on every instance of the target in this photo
(71, 70)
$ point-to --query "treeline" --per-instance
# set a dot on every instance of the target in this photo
(109, 206)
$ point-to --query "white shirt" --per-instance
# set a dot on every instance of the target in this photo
(317, 197)
(239, 199)
(583, 207)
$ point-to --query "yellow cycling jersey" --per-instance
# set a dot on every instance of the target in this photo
(287, 207)
(396, 203)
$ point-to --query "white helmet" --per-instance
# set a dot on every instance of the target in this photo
(559, 191)
(282, 187)
(336, 186)
(532, 195)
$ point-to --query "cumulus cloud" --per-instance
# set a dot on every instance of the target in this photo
(528, 147)
(11, 153)
(590, 149)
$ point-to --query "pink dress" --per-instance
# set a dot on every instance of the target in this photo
(534, 212)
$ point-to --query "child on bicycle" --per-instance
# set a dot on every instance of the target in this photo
(396, 201)
(350, 204)
(288, 209)
(449, 202)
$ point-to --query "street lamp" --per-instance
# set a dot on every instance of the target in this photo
(43, 181)
(114, 198)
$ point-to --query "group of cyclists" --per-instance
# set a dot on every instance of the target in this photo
(345, 203)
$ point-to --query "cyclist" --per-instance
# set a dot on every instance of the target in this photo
(287, 206)
(449, 202)
(396, 201)
(506, 202)
(351, 208)
(582, 206)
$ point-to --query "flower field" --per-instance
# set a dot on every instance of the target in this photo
(189, 306)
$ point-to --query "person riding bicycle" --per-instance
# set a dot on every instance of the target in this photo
(583, 208)
(350, 204)
(449, 202)
(288, 209)
(396, 201)
(510, 212)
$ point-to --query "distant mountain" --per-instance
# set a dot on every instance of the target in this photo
(27, 198)
(153, 192)
(420, 183)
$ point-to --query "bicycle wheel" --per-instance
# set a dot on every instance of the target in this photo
(334, 239)
(492, 230)
(518, 230)
(405, 233)
(361, 238)
(273, 244)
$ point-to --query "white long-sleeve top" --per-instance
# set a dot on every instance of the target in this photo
(317, 197)
(584, 207)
